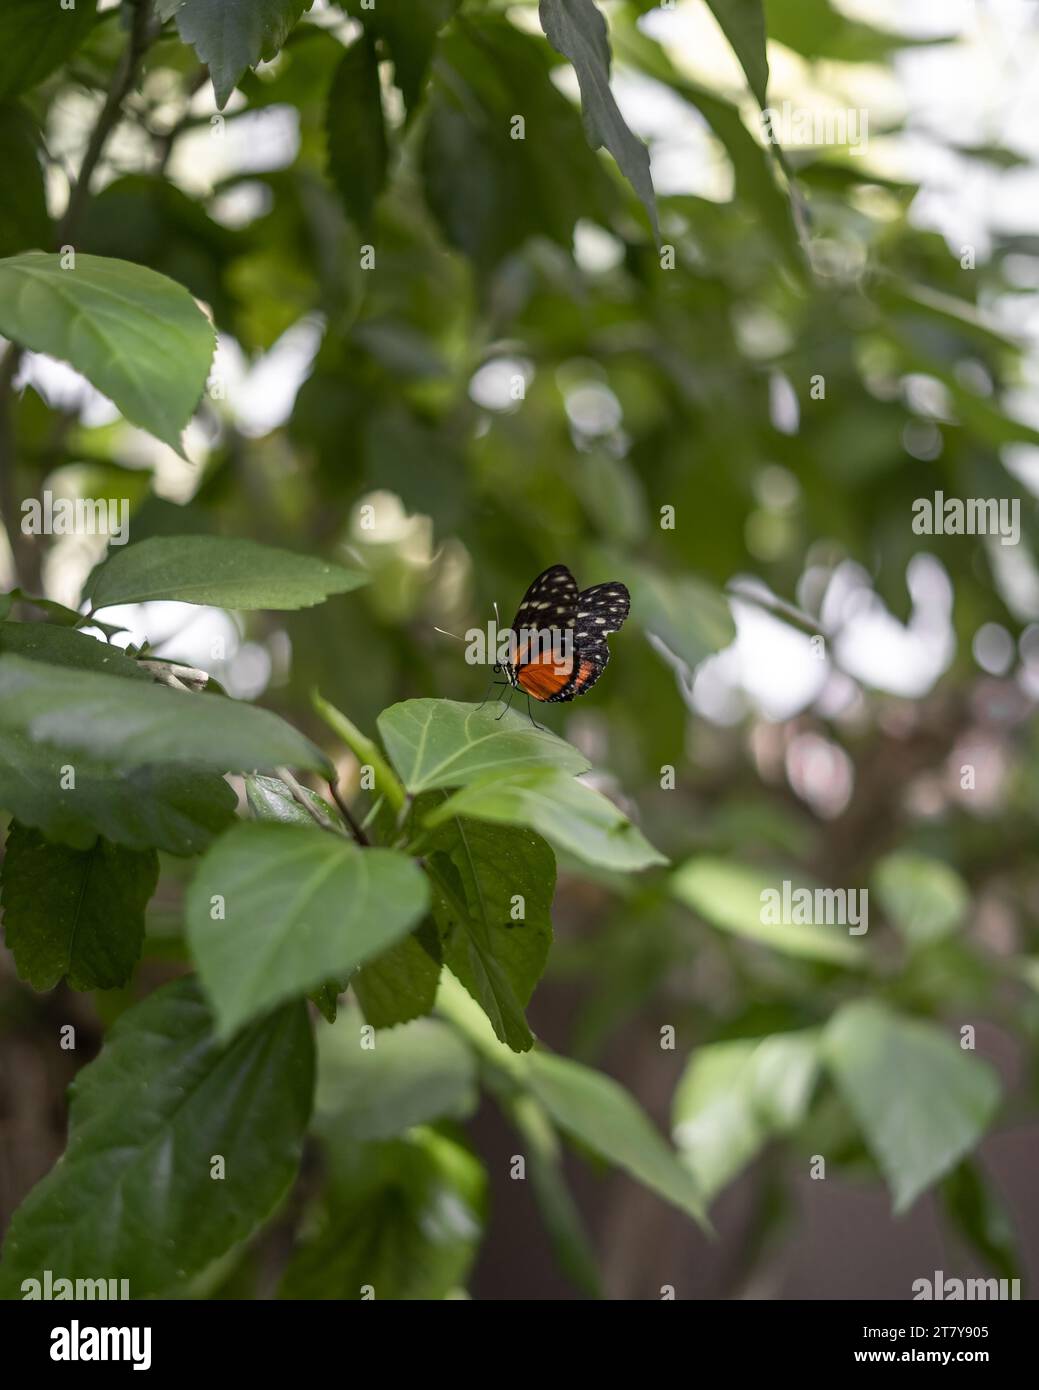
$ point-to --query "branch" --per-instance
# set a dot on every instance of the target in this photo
(348, 816)
(123, 78)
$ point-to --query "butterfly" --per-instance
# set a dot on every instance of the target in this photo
(558, 645)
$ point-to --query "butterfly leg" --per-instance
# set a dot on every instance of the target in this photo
(507, 702)
(539, 727)
(487, 693)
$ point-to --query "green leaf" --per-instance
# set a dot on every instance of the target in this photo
(177, 809)
(400, 1220)
(63, 646)
(730, 897)
(294, 908)
(134, 1196)
(60, 616)
(944, 1099)
(225, 572)
(457, 1005)
(924, 898)
(380, 1088)
(743, 24)
(232, 35)
(576, 29)
(74, 912)
(690, 617)
(358, 149)
(409, 29)
(139, 338)
(23, 213)
(132, 724)
(326, 998)
(364, 749)
(270, 799)
(734, 1096)
(401, 983)
(490, 192)
(442, 743)
(569, 814)
(479, 872)
(599, 1113)
(35, 39)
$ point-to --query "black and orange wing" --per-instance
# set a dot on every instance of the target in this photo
(553, 602)
(549, 608)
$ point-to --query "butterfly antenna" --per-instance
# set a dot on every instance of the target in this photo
(445, 633)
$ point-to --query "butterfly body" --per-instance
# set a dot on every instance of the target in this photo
(558, 646)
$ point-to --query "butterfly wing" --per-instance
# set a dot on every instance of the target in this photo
(550, 602)
(602, 609)
(549, 607)
(553, 603)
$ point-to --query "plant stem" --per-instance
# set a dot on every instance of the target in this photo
(364, 750)
(123, 78)
(348, 816)
(300, 794)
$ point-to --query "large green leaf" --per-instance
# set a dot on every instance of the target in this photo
(132, 724)
(442, 743)
(178, 809)
(576, 29)
(293, 908)
(228, 573)
(406, 1076)
(138, 337)
(358, 150)
(232, 35)
(135, 1196)
(569, 814)
(480, 873)
(733, 1096)
(74, 912)
(399, 1220)
(23, 213)
(922, 1101)
(598, 1112)
(35, 38)
(729, 896)
(923, 897)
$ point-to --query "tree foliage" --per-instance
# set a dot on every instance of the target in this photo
(514, 352)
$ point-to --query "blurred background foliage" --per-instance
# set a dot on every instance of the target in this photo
(480, 336)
